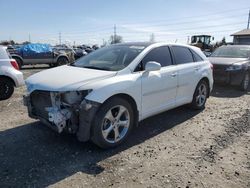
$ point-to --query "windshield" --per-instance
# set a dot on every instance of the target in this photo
(232, 51)
(112, 58)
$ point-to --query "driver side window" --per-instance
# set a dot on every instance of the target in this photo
(160, 55)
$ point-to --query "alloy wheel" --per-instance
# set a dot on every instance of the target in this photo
(115, 124)
(201, 95)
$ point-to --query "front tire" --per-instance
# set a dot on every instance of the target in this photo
(200, 95)
(113, 123)
(6, 88)
(245, 82)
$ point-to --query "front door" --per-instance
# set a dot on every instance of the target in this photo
(158, 87)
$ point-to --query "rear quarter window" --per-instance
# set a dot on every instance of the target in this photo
(3, 53)
(182, 55)
(197, 58)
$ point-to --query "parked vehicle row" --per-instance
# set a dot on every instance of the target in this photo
(31, 54)
(103, 95)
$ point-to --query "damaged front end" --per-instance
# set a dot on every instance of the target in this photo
(63, 111)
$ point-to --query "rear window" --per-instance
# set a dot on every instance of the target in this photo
(3, 53)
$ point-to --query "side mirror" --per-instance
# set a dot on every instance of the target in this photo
(152, 66)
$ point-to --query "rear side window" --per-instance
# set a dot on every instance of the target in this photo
(197, 58)
(160, 55)
(3, 53)
(182, 55)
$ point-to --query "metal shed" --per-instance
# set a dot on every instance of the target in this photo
(242, 37)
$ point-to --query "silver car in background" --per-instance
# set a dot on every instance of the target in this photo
(10, 76)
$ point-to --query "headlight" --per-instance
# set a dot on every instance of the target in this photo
(74, 97)
(234, 67)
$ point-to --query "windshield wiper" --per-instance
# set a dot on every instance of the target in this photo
(97, 68)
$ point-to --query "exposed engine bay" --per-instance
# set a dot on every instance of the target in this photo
(63, 111)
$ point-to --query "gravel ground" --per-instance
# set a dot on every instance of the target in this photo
(178, 148)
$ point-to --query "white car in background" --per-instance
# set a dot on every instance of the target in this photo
(104, 94)
(10, 76)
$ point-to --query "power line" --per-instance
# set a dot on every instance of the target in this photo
(156, 23)
(203, 15)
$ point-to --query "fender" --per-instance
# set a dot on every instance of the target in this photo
(120, 84)
(61, 55)
(13, 74)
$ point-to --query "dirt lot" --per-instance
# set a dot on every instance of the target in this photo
(179, 148)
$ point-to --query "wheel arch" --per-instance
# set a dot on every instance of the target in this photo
(61, 56)
(14, 56)
(131, 100)
(208, 84)
(9, 78)
(127, 97)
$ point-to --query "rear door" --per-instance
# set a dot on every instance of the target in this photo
(158, 87)
(188, 70)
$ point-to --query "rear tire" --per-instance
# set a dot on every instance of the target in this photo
(6, 88)
(62, 61)
(200, 95)
(113, 123)
(245, 82)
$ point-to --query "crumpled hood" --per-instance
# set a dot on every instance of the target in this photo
(225, 61)
(65, 78)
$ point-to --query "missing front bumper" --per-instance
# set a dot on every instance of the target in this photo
(77, 119)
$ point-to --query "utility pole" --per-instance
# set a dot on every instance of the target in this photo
(114, 34)
(188, 39)
(29, 38)
(248, 20)
(60, 38)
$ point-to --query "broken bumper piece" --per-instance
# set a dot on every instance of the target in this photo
(74, 118)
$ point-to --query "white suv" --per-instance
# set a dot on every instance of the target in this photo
(104, 94)
(10, 77)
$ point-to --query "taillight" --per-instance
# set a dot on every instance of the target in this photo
(211, 66)
(14, 64)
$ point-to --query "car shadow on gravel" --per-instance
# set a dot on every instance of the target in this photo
(226, 91)
(32, 155)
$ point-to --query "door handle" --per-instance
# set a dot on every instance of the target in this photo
(174, 74)
(197, 68)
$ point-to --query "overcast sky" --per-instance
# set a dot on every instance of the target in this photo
(92, 21)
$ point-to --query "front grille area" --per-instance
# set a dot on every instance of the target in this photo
(220, 74)
(39, 101)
